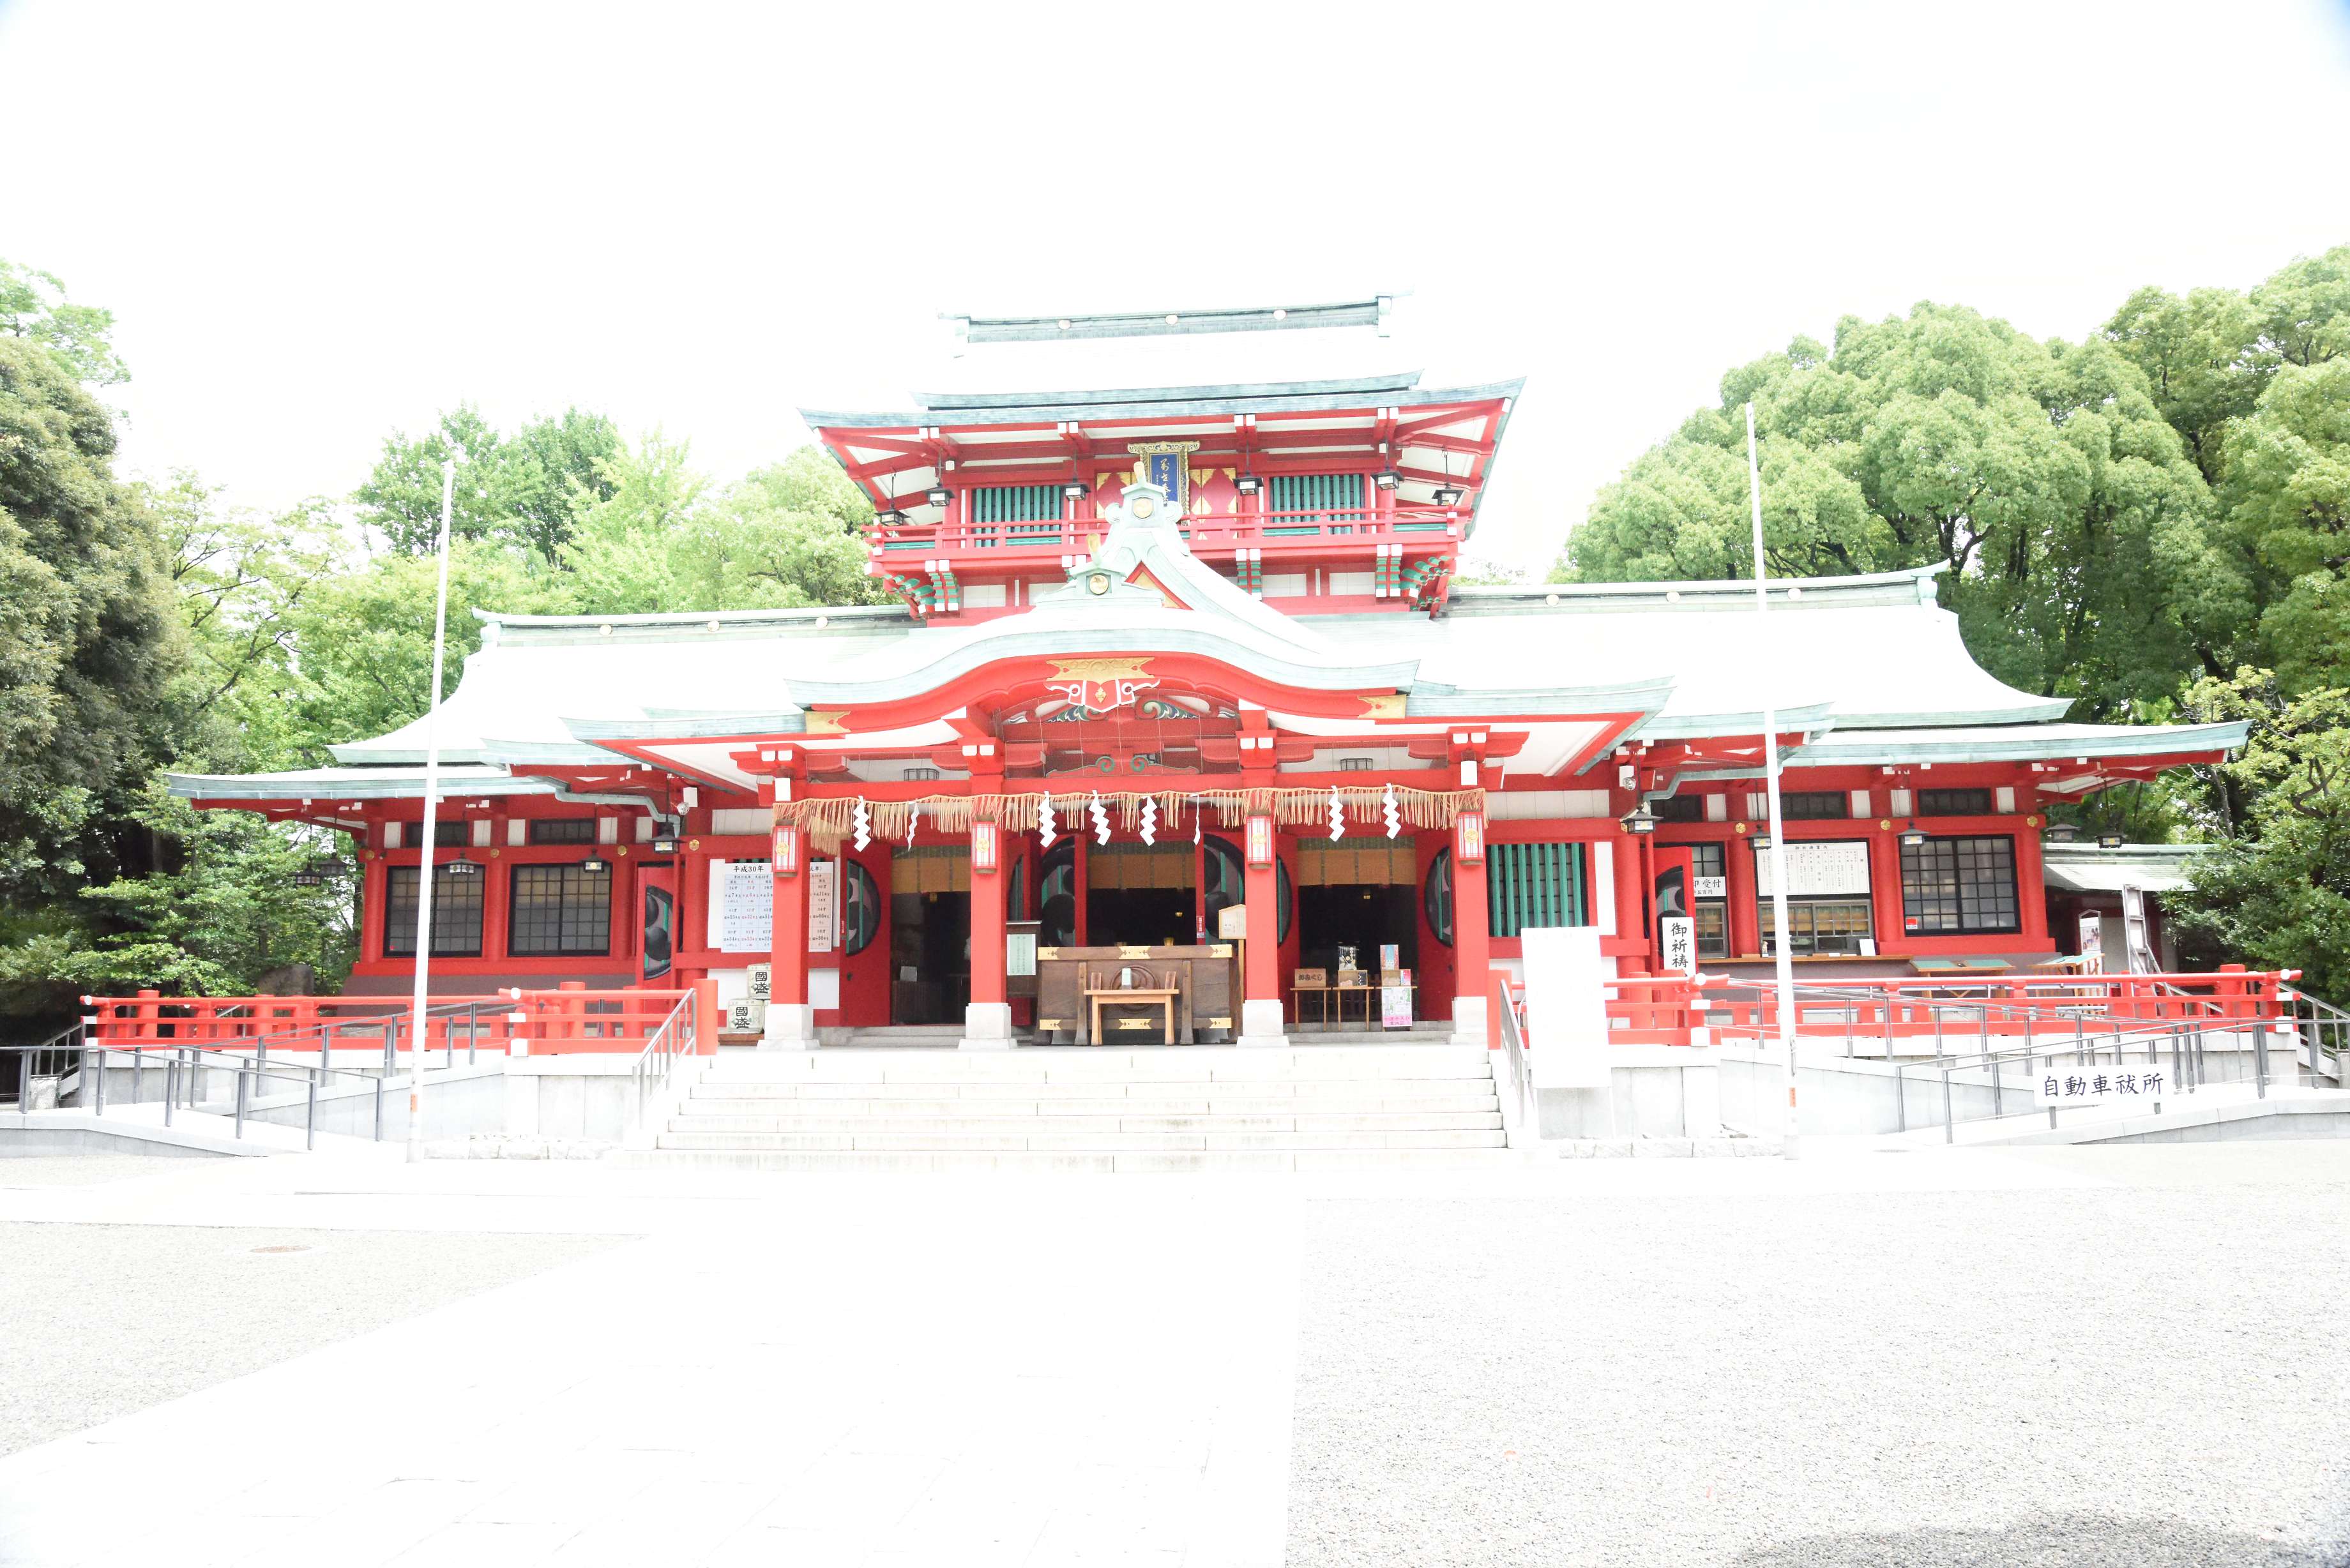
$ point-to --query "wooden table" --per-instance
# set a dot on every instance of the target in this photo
(1163, 999)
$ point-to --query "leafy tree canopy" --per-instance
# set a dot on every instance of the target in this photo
(33, 307)
(2042, 474)
(527, 490)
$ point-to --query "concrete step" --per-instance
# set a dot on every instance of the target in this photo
(942, 1141)
(1377, 1121)
(1159, 1161)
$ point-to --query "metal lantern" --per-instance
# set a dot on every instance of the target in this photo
(785, 856)
(1469, 839)
(986, 846)
(1260, 840)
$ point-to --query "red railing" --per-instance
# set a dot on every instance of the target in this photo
(515, 1022)
(1275, 530)
(2025, 1007)
(1667, 1009)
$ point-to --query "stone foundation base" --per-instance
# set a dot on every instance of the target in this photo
(986, 1026)
(791, 1026)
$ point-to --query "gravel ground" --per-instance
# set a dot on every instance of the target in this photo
(2008, 1377)
(84, 1169)
(210, 1304)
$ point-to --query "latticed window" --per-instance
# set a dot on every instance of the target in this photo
(1711, 910)
(1959, 885)
(562, 830)
(560, 910)
(1819, 925)
(1335, 497)
(1535, 885)
(1679, 808)
(1954, 803)
(1014, 512)
(456, 913)
(1815, 805)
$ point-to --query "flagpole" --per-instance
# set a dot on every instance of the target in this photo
(1782, 934)
(418, 1003)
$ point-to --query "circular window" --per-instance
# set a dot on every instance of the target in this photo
(1436, 897)
(860, 909)
(1228, 884)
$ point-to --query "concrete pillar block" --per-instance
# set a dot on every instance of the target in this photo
(1262, 1022)
(791, 1026)
(1469, 1020)
(986, 1026)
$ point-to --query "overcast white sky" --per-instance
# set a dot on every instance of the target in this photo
(316, 221)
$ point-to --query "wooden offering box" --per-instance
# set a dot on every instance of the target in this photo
(1205, 980)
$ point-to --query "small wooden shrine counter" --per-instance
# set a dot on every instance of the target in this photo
(1205, 981)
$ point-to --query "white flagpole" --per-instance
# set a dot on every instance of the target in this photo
(1769, 667)
(417, 1003)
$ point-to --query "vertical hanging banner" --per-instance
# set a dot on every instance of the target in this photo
(824, 904)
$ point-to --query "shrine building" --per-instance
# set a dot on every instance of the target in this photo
(1178, 676)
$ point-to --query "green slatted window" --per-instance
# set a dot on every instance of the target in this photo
(1338, 497)
(1535, 885)
(993, 504)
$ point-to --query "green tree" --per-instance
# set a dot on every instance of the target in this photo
(527, 491)
(2044, 474)
(239, 901)
(90, 639)
(33, 305)
(365, 639)
(2275, 886)
(242, 578)
(786, 535)
(2203, 362)
(2288, 499)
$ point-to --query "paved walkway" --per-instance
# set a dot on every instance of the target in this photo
(2058, 1356)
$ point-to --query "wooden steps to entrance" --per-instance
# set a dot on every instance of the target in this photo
(1306, 1107)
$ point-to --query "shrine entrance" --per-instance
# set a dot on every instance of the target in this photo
(1355, 898)
(1133, 894)
(929, 934)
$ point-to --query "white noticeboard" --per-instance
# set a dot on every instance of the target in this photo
(824, 904)
(2101, 1084)
(2093, 944)
(742, 906)
(1566, 1006)
(1816, 869)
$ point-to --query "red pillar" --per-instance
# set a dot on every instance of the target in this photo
(1472, 932)
(987, 977)
(1262, 892)
(788, 946)
(1631, 920)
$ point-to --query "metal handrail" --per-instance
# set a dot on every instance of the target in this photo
(656, 1065)
(2325, 1023)
(1521, 1069)
(180, 1074)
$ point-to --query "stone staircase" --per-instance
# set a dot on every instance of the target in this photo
(1205, 1107)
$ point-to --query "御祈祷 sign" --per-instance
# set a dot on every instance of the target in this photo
(1815, 870)
(824, 904)
(742, 906)
(1680, 943)
(2109, 1083)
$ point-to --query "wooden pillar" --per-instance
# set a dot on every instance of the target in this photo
(1738, 888)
